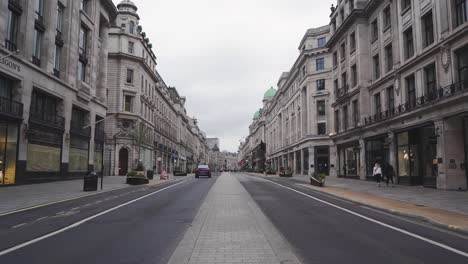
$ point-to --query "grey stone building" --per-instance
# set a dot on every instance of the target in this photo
(298, 116)
(53, 60)
(400, 74)
(147, 121)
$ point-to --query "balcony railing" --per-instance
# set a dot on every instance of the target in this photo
(433, 96)
(51, 120)
(11, 108)
(11, 46)
(341, 92)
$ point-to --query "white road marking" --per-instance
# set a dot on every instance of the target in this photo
(6, 251)
(16, 226)
(435, 243)
(42, 218)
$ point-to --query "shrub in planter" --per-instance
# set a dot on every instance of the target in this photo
(286, 173)
(318, 179)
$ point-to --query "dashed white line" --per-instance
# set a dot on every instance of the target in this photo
(6, 251)
(435, 243)
(42, 218)
(20, 225)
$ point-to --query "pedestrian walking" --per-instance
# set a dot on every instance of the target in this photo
(377, 173)
(389, 173)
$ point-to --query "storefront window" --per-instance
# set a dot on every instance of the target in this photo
(375, 152)
(403, 155)
(79, 148)
(8, 148)
(43, 151)
(349, 161)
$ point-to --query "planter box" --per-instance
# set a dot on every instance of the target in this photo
(316, 182)
(137, 180)
(285, 175)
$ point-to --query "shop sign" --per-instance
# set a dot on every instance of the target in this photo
(10, 64)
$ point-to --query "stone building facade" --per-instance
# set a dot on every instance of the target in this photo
(291, 130)
(53, 60)
(400, 74)
(147, 122)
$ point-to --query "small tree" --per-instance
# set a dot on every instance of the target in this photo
(141, 136)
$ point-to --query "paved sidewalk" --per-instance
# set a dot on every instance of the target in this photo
(26, 196)
(230, 228)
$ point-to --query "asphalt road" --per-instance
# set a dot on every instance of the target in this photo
(144, 231)
(321, 233)
(145, 224)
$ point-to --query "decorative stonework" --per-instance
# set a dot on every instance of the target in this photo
(445, 57)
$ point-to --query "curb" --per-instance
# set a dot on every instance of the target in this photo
(395, 212)
(70, 199)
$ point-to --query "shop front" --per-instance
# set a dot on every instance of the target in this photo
(349, 160)
(417, 157)
(10, 119)
(465, 139)
(377, 150)
(322, 160)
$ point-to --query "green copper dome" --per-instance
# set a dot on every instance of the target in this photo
(270, 93)
(257, 114)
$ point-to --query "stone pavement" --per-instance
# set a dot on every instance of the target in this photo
(25, 196)
(230, 228)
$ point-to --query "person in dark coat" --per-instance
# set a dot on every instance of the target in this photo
(389, 173)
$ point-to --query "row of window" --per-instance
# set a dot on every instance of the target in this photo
(344, 119)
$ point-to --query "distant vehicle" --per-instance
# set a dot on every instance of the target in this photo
(202, 170)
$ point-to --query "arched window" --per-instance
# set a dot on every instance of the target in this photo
(132, 27)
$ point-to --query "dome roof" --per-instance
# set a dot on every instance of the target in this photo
(127, 3)
(257, 114)
(270, 93)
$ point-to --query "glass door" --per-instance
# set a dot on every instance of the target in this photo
(8, 150)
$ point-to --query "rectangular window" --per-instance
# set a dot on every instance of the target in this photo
(374, 30)
(355, 113)
(408, 43)
(462, 66)
(390, 98)
(57, 55)
(427, 29)
(343, 51)
(388, 58)
(387, 18)
(320, 64)
(430, 81)
(59, 21)
(461, 10)
(83, 41)
(84, 6)
(321, 108)
(335, 87)
(405, 5)
(37, 39)
(337, 121)
(376, 65)
(129, 76)
(351, 5)
(321, 42)
(39, 9)
(320, 84)
(353, 75)
(411, 91)
(12, 31)
(352, 42)
(131, 47)
(335, 59)
(81, 71)
(128, 103)
(345, 117)
(321, 128)
(377, 104)
(344, 81)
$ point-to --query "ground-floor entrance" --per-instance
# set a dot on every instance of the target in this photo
(8, 152)
(416, 153)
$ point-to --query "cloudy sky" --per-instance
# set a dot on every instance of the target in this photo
(224, 54)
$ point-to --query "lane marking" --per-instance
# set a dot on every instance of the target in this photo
(454, 250)
(20, 225)
(42, 218)
(6, 251)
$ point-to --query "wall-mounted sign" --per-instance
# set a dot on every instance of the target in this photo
(10, 64)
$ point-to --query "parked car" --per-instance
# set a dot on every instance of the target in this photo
(202, 170)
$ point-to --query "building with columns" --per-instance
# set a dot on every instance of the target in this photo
(400, 74)
(297, 116)
(146, 121)
(53, 78)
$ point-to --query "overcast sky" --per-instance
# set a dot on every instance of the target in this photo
(224, 54)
